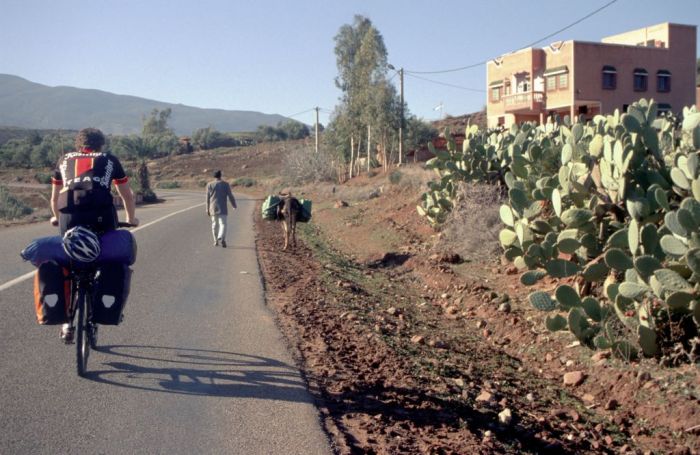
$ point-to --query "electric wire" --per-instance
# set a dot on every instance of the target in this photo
(447, 84)
(474, 65)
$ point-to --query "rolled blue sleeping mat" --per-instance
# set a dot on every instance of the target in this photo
(118, 246)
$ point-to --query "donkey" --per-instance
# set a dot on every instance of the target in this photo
(288, 211)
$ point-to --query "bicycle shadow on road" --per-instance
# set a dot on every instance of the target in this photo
(202, 372)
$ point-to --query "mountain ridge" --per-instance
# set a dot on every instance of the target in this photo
(28, 104)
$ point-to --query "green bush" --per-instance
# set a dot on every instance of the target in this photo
(168, 185)
(243, 181)
(43, 177)
(395, 177)
(10, 207)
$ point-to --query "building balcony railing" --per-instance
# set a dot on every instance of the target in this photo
(524, 101)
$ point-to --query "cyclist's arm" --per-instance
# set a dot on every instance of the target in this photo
(127, 196)
(56, 187)
(55, 190)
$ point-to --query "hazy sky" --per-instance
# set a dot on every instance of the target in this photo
(277, 56)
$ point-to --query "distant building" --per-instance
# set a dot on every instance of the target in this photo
(576, 77)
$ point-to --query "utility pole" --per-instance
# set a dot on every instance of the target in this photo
(316, 134)
(401, 125)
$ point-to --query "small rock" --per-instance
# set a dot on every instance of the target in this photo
(588, 398)
(549, 357)
(486, 333)
(484, 396)
(574, 416)
(574, 378)
(643, 377)
(351, 317)
(451, 310)
(439, 344)
(504, 307)
(480, 324)
(417, 339)
(600, 355)
(340, 204)
(392, 311)
(530, 397)
(459, 382)
(488, 434)
(512, 270)
(505, 417)
(569, 363)
(611, 405)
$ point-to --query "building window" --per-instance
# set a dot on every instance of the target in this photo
(640, 80)
(495, 94)
(563, 81)
(663, 81)
(609, 77)
(551, 83)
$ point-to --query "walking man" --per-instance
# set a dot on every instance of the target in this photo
(218, 191)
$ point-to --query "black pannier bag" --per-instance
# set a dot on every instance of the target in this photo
(51, 294)
(112, 284)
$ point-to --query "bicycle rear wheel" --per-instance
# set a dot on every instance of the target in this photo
(82, 341)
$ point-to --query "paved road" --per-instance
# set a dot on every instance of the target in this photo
(197, 366)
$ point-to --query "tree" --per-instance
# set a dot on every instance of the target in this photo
(156, 123)
(370, 107)
(294, 130)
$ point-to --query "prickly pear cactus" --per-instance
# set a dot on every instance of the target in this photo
(612, 204)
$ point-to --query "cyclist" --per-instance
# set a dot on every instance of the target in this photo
(81, 191)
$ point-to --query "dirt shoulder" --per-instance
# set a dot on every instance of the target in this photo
(408, 353)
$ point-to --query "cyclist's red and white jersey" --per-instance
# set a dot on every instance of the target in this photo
(86, 178)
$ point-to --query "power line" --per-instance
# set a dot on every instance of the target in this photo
(446, 84)
(474, 65)
(302, 112)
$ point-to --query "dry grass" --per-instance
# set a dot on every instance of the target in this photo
(471, 229)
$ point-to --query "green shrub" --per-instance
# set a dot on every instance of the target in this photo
(395, 177)
(201, 183)
(43, 177)
(10, 207)
(168, 185)
(243, 181)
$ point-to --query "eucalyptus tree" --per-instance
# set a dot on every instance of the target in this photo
(368, 101)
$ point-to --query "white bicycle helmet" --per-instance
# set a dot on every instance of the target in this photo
(81, 244)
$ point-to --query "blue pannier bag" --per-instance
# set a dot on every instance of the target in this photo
(117, 246)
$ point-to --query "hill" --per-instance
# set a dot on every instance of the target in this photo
(27, 104)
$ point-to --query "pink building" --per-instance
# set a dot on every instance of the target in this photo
(582, 78)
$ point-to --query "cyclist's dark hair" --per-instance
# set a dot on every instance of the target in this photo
(217, 174)
(89, 138)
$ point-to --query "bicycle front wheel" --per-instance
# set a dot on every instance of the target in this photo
(82, 340)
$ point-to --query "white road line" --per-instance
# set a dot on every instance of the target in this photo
(29, 275)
